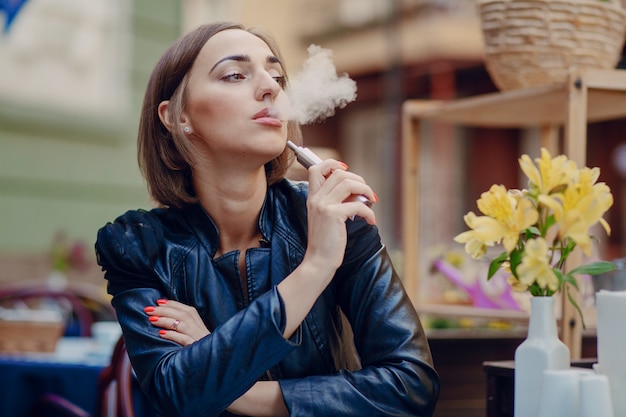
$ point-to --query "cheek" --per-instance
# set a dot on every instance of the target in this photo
(213, 120)
(203, 110)
(207, 114)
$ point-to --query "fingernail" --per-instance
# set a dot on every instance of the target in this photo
(162, 332)
(154, 318)
(161, 301)
(375, 198)
(344, 166)
(149, 309)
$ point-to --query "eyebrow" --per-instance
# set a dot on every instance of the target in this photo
(271, 59)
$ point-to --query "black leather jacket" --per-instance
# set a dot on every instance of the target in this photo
(169, 253)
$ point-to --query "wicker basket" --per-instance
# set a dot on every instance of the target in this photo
(537, 42)
(18, 337)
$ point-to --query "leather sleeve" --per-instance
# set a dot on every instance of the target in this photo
(201, 379)
(397, 375)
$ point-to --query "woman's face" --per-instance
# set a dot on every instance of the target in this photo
(230, 86)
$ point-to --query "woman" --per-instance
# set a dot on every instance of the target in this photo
(232, 294)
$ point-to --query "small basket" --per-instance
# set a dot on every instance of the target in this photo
(29, 336)
(530, 43)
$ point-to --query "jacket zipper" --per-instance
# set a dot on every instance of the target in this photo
(246, 294)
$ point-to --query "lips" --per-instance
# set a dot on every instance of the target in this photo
(264, 117)
(263, 113)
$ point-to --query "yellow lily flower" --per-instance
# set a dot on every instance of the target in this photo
(535, 266)
(550, 173)
(484, 232)
(561, 206)
(580, 207)
(507, 214)
(515, 284)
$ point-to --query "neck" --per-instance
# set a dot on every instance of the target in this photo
(234, 203)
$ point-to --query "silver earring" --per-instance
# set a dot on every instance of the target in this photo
(186, 129)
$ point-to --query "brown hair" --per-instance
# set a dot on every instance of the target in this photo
(166, 159)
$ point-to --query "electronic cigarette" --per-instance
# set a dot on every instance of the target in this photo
(307, 159)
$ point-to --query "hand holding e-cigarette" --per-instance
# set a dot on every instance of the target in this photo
(307, 159)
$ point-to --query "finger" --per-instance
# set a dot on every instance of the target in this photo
(320, 172)
(176, 307)
(176, 310)
(164, 322)
(175, 316)
(327, 167)
(180, 338)
(190, 325)
(339, 176)
(346, 186)
(358, 209)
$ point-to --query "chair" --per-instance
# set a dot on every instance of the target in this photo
(115, 392)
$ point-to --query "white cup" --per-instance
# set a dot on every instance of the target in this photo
(560, 392)
(595, 396)
(106, 334)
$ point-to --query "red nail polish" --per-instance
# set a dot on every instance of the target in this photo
(161, 301)
(375, 198)
(154, 318)
(149, 309)
(343, 165)
(162, 332)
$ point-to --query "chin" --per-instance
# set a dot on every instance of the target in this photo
(271, 147)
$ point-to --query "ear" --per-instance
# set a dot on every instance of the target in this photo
(164, 114)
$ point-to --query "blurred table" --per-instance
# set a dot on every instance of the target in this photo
(501, 385)
(71, 371)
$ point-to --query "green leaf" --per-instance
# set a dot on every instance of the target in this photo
(532, 231)
(515, 258)
(550, 221)
(496, 264)
(580, 313)
(594, 268)
(560, 276)
(569, 278)
(535, 290)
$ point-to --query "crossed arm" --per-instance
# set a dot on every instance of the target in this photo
(182, 324)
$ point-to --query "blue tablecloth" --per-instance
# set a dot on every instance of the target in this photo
(23, 382)
(71, 372)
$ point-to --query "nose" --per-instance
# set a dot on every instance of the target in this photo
(267, 86)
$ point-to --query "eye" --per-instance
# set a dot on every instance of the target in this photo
(232, 77)
(281, 80)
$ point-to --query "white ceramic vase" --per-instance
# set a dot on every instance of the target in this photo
(541, 350)
(611, 306)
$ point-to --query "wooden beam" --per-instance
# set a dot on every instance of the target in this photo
(576, 150)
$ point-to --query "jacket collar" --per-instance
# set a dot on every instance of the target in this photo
(205, 228)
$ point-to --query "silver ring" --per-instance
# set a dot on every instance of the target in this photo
(175, 325)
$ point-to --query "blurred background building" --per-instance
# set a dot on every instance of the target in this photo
(72, 77)
(73, 73)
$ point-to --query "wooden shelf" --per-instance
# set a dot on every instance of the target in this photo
(539, 106)
(473, 334)
(586, 97)
(462, 311)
